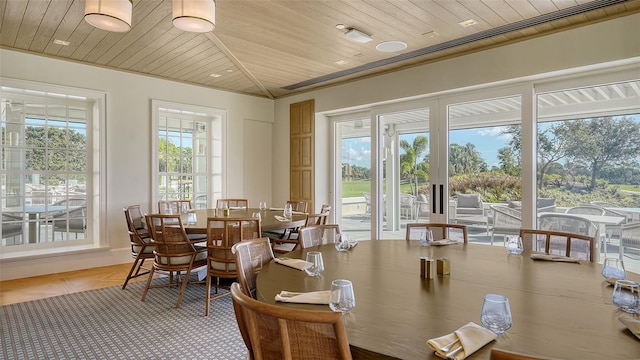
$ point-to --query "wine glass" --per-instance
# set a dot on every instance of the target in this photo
(514, 245)
(626, 296)
(496, 313)
(256, 214)
(342, 242)
(263, 205)
(342, 298)
(314, 265)
(613, 269)
(288, 211)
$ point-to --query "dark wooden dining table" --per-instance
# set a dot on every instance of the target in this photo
(268, 222)
(559, 310)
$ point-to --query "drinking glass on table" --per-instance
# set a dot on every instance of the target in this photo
(426, 238)
(342, 242)
(342, 298)
(496, 313)
(288, 211)
(613, 269)
(514, 245)
(315, 265)
(263, 205)
(626, 296)
(257, 215)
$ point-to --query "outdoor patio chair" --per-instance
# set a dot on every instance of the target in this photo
(12, 227)
(221, 262)
(545, 205)
(407, 206)
(367, 203)
(585, 209)
(559, 243)
(140, 241)
(469, 204)
(506, 221)
(422, 207)
(175, 254)
(277, 332)
(440, 231)
(251, 255)
(316, 235)
(70, 221)
(630, 239)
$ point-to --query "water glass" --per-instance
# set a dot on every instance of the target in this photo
(496, 313)
(426, 238)
(191, 217)
(342, 242)
(288, 211)
(315, 265)
(626, 296)
(257, 215)
(613, 268)
(263, 205)
(514, 245)
(342, 298)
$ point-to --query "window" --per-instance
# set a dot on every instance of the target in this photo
(49, 190)
(189, 159)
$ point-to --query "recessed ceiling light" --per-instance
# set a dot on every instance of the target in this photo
(229, 70)
(391, 46)
(431, 34)
(340, 27)
(215, 75)
(467, 23)
(341, 62)
(61, 42)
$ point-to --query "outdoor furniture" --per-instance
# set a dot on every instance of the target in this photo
(12, 227)
(546, 205)
(287, 333)
(233, 203)
(140, 241)
(367, 203)
(70, 221)
(440, 231)
(469, 204)
(222, 234)
(174, 254)
(407, 204)
(630, 238)
(506, 221)
(316, 235)
(559, 243)
(422, 207)
(585, 209)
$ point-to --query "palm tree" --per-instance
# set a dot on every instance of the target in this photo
(409, 164)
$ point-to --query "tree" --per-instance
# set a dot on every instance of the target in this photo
(599, 142)
(508, 163)
(409, 168)
(465, 159)
(55, 149)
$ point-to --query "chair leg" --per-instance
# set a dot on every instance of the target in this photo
(146, 288)
(133, 266)
(183, 287)
(206, 305)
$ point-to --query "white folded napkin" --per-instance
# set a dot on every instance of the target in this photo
(444, 242)
(276, 209)
(471, 337)
(313, 297)
(632, 324)
(281, 218)
(551, 257)
(294, 263)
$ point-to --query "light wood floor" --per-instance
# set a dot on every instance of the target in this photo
(39, 287)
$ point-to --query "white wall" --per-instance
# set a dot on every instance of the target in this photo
(583, 47)
(128, 145)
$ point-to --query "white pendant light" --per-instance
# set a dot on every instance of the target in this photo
(110, 15)
(194, 15)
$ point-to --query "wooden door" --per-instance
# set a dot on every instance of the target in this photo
(302, 129)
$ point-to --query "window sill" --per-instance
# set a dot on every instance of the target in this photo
(51, 252)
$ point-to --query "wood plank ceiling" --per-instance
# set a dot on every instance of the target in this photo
(275, 48)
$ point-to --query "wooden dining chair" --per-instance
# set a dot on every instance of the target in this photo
(298, 206)
(498, 354)
(174, 252)
(250, 256)
(277, 332)
(221, 262)
(559, 243)
(439, 230)
(233, 203)
(316, 235)
(140, 241)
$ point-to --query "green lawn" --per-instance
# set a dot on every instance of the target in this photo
(357, 187)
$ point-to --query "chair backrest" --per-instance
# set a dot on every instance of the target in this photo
(173, 207)
(135, 226)
(221, 236)
(570, 223)
(316, 235)
(298, 206)
(250, 257)
(287, 333)
(326, 208)
(498, 354)
(316, 219)
(407, 200)
(559, 243)
(72, 220)
(473, 201)
(233, 203)
(630, 236)
(586, 209)
(439, 230)
(170, 239)
(546, 205)
(505, 217)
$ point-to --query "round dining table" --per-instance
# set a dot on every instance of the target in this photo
(560, 310)
(271, 220)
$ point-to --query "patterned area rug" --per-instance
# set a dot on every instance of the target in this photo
(112, 323)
